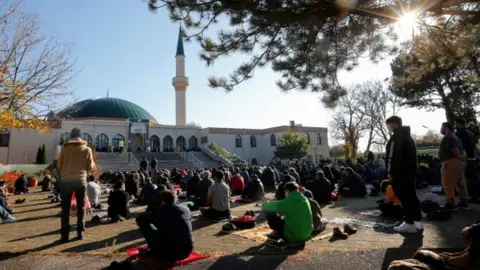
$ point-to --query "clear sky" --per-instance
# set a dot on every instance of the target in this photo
(120, 45)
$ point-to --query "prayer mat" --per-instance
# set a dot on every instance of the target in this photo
(372, 213)
(152, 263)
(260, 234)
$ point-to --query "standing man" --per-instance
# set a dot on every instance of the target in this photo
(121, 145)
(453, 158)
(75, 162)
(469, 144)
(402, 166)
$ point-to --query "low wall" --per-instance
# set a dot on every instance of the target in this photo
(26, 168)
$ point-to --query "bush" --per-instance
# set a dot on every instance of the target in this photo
(221, 151)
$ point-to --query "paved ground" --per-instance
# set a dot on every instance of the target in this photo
(37, 232)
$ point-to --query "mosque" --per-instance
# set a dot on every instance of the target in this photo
(105, 122)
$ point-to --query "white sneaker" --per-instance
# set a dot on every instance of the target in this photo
(10, 219)
(419, 225)
(405, 228)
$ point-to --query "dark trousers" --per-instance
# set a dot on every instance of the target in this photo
(3, 213)
(66, 191)
(404, 189)
(472, 179)
(213, 214)
(276, 223)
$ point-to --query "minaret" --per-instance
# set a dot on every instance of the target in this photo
(180, 83)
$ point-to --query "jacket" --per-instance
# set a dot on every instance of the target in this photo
(75, 160)
(298, 216)
(468, 141)
(401, 155)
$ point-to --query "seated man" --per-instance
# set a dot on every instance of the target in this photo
(237, 184)
(465, 258)
(297, 226)
(156, 199)
(218, 199)
(147, 192)
(167, 230)
(94, 191)
(118, 203)
(321, 188)
(352, 185)
(201, 193)
(318, 226)
(280, 193)
(132, 185)
(4, 198)
(254, 191)
(21, 185)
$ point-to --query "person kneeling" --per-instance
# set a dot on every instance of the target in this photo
(254, 191)
(218, 199)
(118, 203)
(391, 206)
(297, 225)
(167, 230)
(318, 226)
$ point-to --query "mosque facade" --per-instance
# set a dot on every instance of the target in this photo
(106, 122)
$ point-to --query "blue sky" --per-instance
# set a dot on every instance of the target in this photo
(120, 45)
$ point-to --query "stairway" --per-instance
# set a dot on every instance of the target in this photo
(165, 160)
(206, 160)
(108, 161)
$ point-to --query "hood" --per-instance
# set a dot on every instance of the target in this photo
(405, 130)
(75, 141)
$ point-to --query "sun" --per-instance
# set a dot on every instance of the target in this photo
(406, 24)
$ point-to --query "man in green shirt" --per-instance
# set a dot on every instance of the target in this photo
(297, 225)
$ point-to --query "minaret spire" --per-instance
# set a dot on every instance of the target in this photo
(180, 83)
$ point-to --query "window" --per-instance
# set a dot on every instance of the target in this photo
(308, 138)
(86, 137)
(253, 141)
(64, 138)
(238, 141)
(204, 140)
(4, 137)
(273, 140)
(319, 138)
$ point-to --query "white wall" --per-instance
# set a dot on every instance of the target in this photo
(96, 127)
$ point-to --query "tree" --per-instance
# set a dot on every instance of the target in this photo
(292, 146)
(348, 121)
(43, 157)
(34, 70)
(438, 74)
(39, 154)
(377, 104)
(307, 42)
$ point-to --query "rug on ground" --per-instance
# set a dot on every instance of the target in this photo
(152, 263)
(260, 234)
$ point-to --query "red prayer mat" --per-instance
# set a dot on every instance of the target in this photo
(152, 263)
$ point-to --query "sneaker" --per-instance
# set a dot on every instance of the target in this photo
(338, 233)
(418, 225)
(405, 228)
(348, 229)
(449, 207)
(463, 206)
(10, 219)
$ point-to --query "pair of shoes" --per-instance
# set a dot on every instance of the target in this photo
(409, 228)
(463, 206)
(20, 201)
(10, 219)
(347, 230)
(228, 228)
(249, 213)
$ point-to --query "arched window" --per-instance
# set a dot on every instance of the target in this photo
(181, 143)
(273, 140)
(253, 141)
(319, 138)
(168, 144)
(102, 142)
(238, 141)
(64, 137)
(193, 143)
(86, 137)
(308, 138)
(4, 137)
(155, 143)
(116, 139)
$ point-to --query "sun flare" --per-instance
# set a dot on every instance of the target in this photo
(406, 24)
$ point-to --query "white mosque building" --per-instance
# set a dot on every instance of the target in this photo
(107, 121)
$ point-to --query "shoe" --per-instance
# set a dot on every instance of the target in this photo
(405, 228)
(418, 225)
(349, 230)
(10, 219)
(338, 233)
(228, 228)
(273, 235)
(80, 236)
(64, 240)
(463, 206)
(449, 207)
(10, 211)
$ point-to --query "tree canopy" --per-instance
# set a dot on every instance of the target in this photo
(307, 42)
(292, 146)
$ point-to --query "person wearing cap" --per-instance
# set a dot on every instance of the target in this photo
(75, 162)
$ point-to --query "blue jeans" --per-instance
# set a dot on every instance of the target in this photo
(472, 179)
(3, 213)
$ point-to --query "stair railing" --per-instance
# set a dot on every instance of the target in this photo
(216, 156)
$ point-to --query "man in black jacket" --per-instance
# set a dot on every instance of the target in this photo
(469, 144)
(402, 166)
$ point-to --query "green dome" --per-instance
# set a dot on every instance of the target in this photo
(106, 107)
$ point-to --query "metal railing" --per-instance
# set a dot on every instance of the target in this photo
(190, 156)
(216, 156)
(132, 161)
